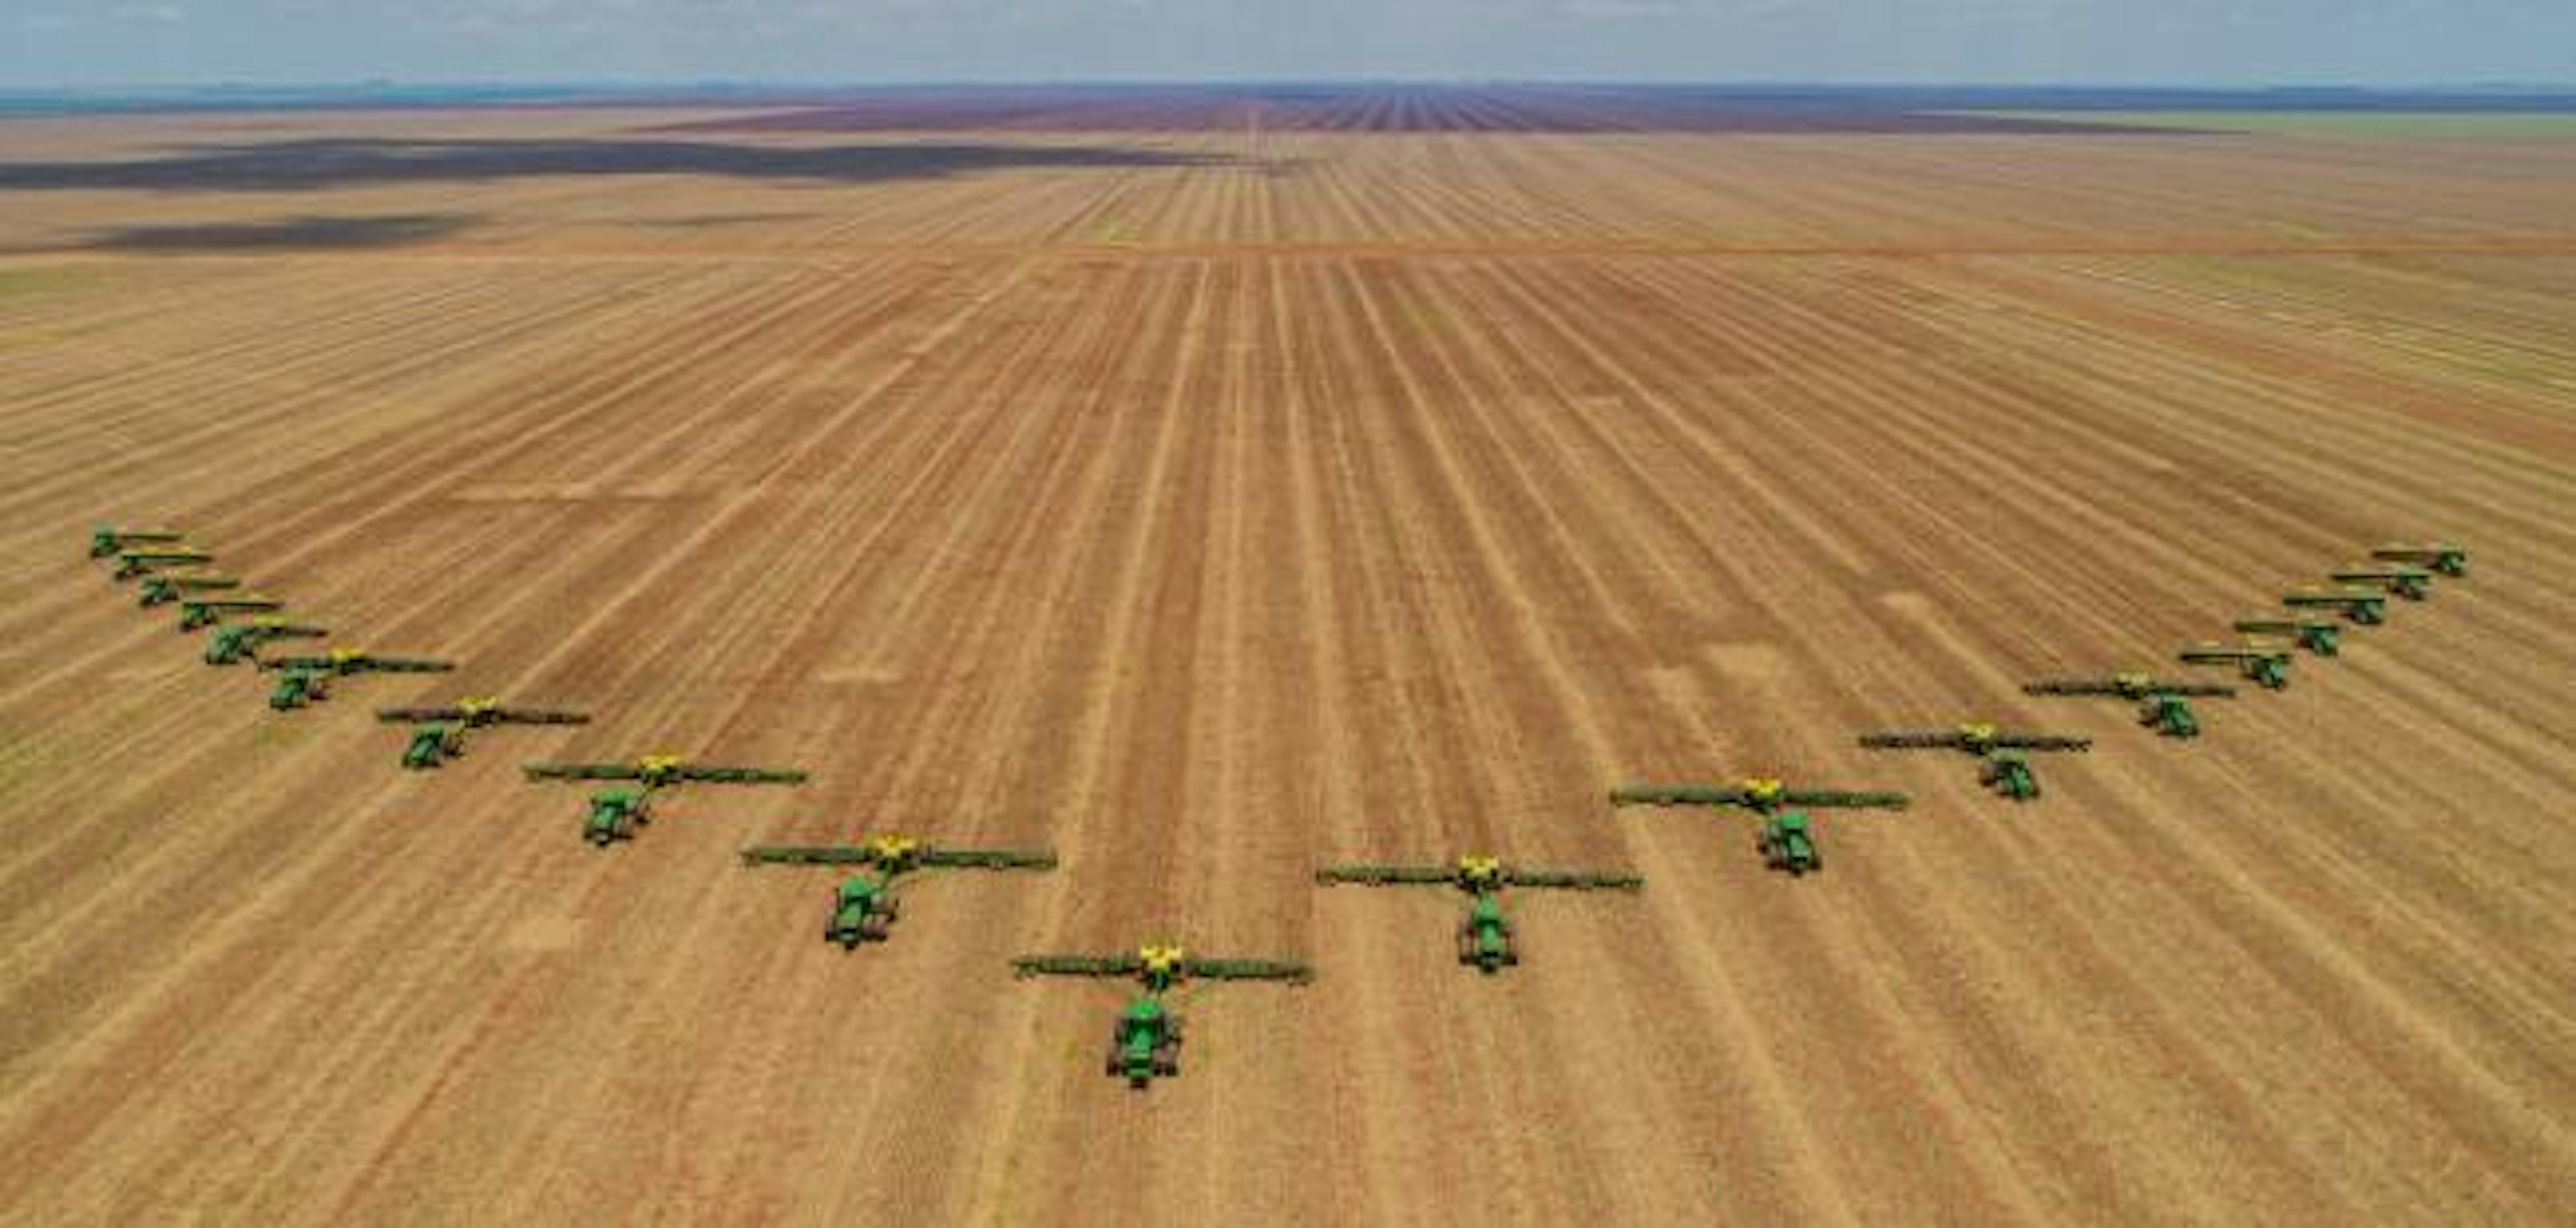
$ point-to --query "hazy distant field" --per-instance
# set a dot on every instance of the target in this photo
(1208, 499)
(2408, 125)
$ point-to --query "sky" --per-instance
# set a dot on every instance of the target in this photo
(54, 43)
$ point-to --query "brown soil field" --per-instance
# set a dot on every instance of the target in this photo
(1208, 505)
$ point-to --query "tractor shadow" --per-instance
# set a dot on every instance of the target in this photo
(309, 165)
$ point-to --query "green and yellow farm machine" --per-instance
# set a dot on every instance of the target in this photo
(2265, 663)
(616, 813)
(438, 734)
(2359, 606)
(2003, 755)
(2403, 580)
(166, 588)
(865, 908)
(2162, 705)
(1145, 1042)
(234, 643)
(105, 541)
(196, 612)
(1786, 839)
(2448, 559)
(2321, 636)
(1487, 940)
(305, 680)
(152, 560)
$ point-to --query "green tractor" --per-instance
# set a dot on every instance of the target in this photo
(2003, 755)
(2162, 706)
(1485, 935)
(2411, 583)
(1145, 1041)
(2448, 559)
(156, 559)
(234, 643)
(196, 612)
(1786, 845)
(438, 734)
(303, 680)
(2324, 637)
(616, 813)
(865, 908)
(165, 588)
(2359, 606)
(105, 541)
(1784, 839)
(2265, 663)
(298, 687)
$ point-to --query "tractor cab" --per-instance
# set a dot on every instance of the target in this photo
(862, 912)
(297, 687)
(1485, 935)
(614, 814)
(2272, 672)
(2008, 773)
(230, 645)
(1787, 845)
(432, 745)
(1145, 1043)
(2169, 714)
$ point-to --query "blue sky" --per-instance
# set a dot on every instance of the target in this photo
(2184, 42)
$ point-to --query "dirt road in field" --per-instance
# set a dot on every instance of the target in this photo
(1208, 506)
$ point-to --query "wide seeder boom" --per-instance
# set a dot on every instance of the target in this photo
(350, 662)
(132, 563)
(234, 643)
(1784, 839)
(2004, 754)
(665, 771)
(105, 541)
(864, 909)
(1162, 967)
(2411, 583)
(2359, 606)
(2163, 705)
(615, 814)
(2320, 636)
(438, 734)
(1487, 940)
(2265, 663)
(2448, 559)
(196, 612)
(305, 679)
(1758, 795)
(166, 588)
(1145, 1041)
